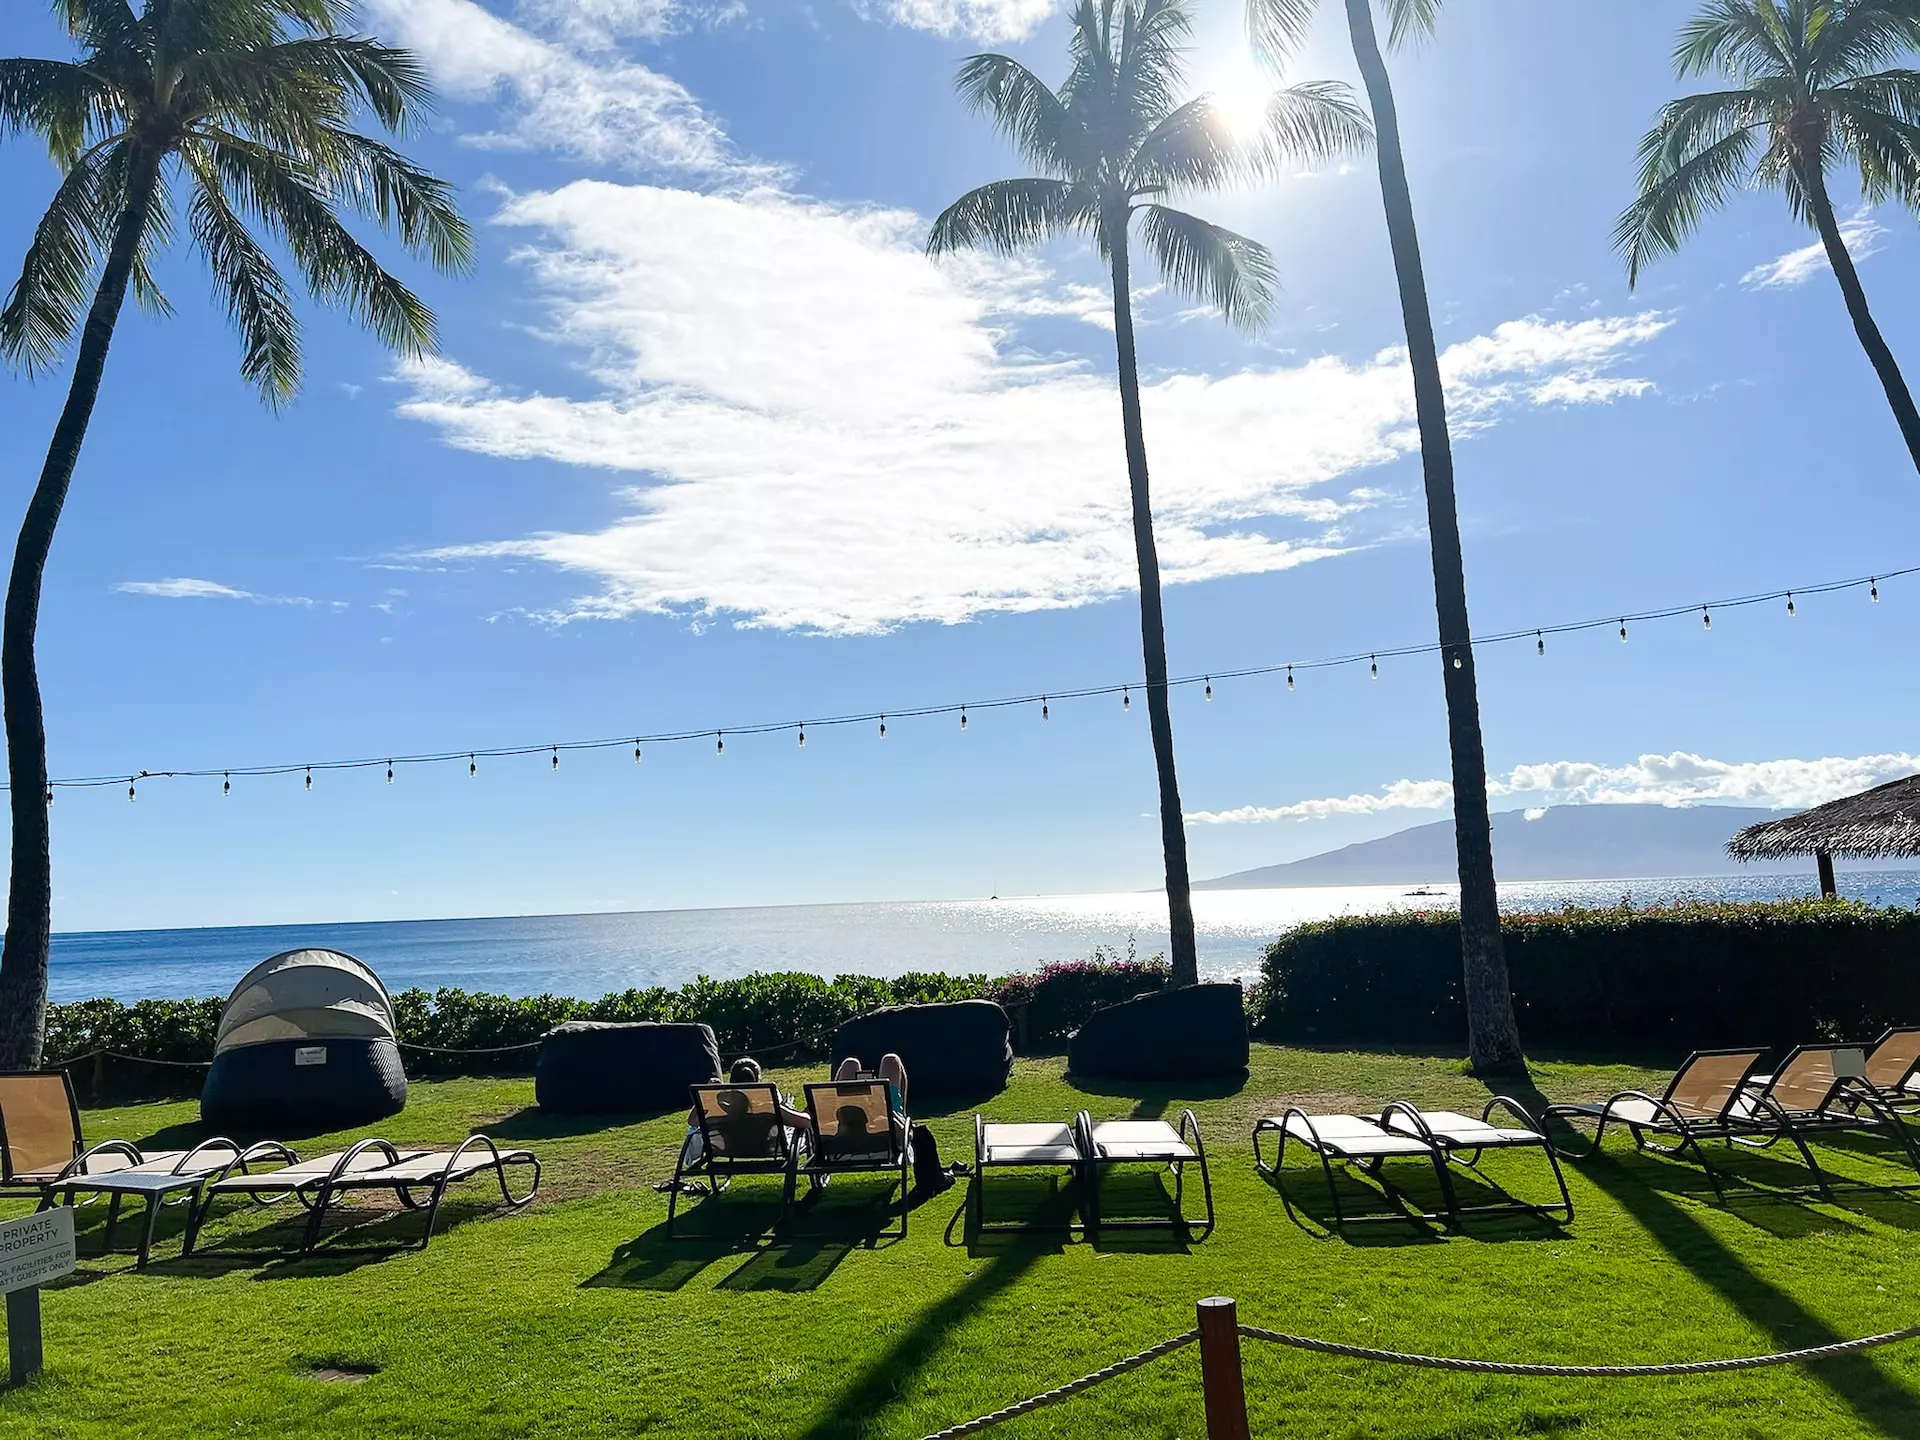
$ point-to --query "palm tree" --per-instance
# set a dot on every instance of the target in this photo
(1815, 87)
(249, 105)
(1493, 1036)
(1112, 143)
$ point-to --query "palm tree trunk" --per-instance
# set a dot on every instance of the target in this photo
(1493, 1036)
(1153, 633)
(1878, 351)
(23, 962)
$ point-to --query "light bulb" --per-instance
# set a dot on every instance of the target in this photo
(556, 757)
(49, 794)
(1539, 643)
(636, 752)
(719, 743)
(963, 717)
(1459, 662)
(1209, 687)
(309, 777)
(1289, 677)
(1373, 664)
(130, 790)
(803, 737)
(1790, 608)
(1706, 618)
(226, 784)
(1126, 699)
(1874, 593)
(473, 767)
(389, 772)
(1623, 632)
(883, 727)
(1044, 712)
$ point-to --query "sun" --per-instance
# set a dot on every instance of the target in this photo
(1242, 93)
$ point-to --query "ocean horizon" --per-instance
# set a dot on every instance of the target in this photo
(588, 955)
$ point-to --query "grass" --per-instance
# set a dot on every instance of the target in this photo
(576, 1317)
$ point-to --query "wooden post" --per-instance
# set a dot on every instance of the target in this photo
(1220, 1376)
(1828, 889)
(24, 1356)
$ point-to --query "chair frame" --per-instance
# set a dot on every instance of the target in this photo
(126, 1182)
(1849, 1092)
(719, 1169)
(1468, 1154)
(977, 1186)
(1327, 1151)
(820, 1166)
(1188, 1134)
(1900, 1096)
(1688, 1131)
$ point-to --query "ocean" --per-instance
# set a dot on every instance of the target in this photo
(590, 955)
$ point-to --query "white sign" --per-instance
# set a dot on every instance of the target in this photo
(310, 1055)
(35, 1249)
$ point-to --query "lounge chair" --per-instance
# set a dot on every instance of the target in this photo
(857, 1131)
(1463, 1140)
(1107, 1143)
(741, 1133)
(1893, 1064)
(1823, 1089)
(41, 1142)
(176, 1179)
(999, 1146)
(371, 1165)
(1705, 1100)
(1354, 1140)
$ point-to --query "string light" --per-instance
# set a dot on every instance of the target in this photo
(803, 734)
(883, 727)
(1371, 658)
(636, 752)
(389, 772)
(49, 794)
(130, 795)
(1373, 664)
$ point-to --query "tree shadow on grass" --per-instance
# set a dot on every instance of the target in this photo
(530, 1122)
(851, 1415)
(1153, 1099)
(1875, 1398)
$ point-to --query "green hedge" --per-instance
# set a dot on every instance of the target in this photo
(1670, 978)
(783, 1017)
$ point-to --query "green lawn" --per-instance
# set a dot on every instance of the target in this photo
(576, 1317)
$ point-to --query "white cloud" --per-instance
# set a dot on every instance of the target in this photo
(838, 435)
(596, 107)
(187, 588)
(1796, 267)
(977, 19)
(1677, 779)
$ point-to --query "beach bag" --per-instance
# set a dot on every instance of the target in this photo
(929, 1175)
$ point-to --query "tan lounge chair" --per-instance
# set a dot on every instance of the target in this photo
(1044, 1145)
(1355, 1141)
(1893, 1064)
(318, 1183)
(1464, 1140)
(41, 1143)
(857, 1131)
(1823, 1089)
(741, 1133)
(1106, 1143)
(1705, 1100)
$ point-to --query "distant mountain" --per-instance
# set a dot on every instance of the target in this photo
(1564, 842)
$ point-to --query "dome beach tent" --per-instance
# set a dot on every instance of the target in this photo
(306, 1041)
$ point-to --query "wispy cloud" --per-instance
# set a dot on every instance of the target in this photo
(1676, 779)
(186, 588)
(838, 435)
(567, 91)
(1861, 234)
(977, 19)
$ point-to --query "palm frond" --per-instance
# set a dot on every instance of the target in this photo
(99, 24)
(317, 79)
(1022, 108)
(1194, 148)
(1229, 272)
(1276, 29)
(1741, 37)
(1011, 215)
(1864, 35)
(1674, 197)
(1312, 121)
(251, 286)
(46, 302)
(1409, 21)
(408, 200)
(60, 102)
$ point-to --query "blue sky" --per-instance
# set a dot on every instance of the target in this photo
(708, 444)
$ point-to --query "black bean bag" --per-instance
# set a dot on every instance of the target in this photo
(953, 1051)
(1197, 1032)
(302, 1086)
(588, 1067)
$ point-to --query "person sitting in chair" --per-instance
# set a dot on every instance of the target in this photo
(742, 1129)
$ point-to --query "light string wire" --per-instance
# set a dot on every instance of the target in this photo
(718, 733)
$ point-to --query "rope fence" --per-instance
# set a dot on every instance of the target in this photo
(1219, 1334)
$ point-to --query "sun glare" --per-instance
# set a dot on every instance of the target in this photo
(1242, 94)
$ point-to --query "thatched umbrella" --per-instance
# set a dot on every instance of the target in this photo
(1878, 824)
